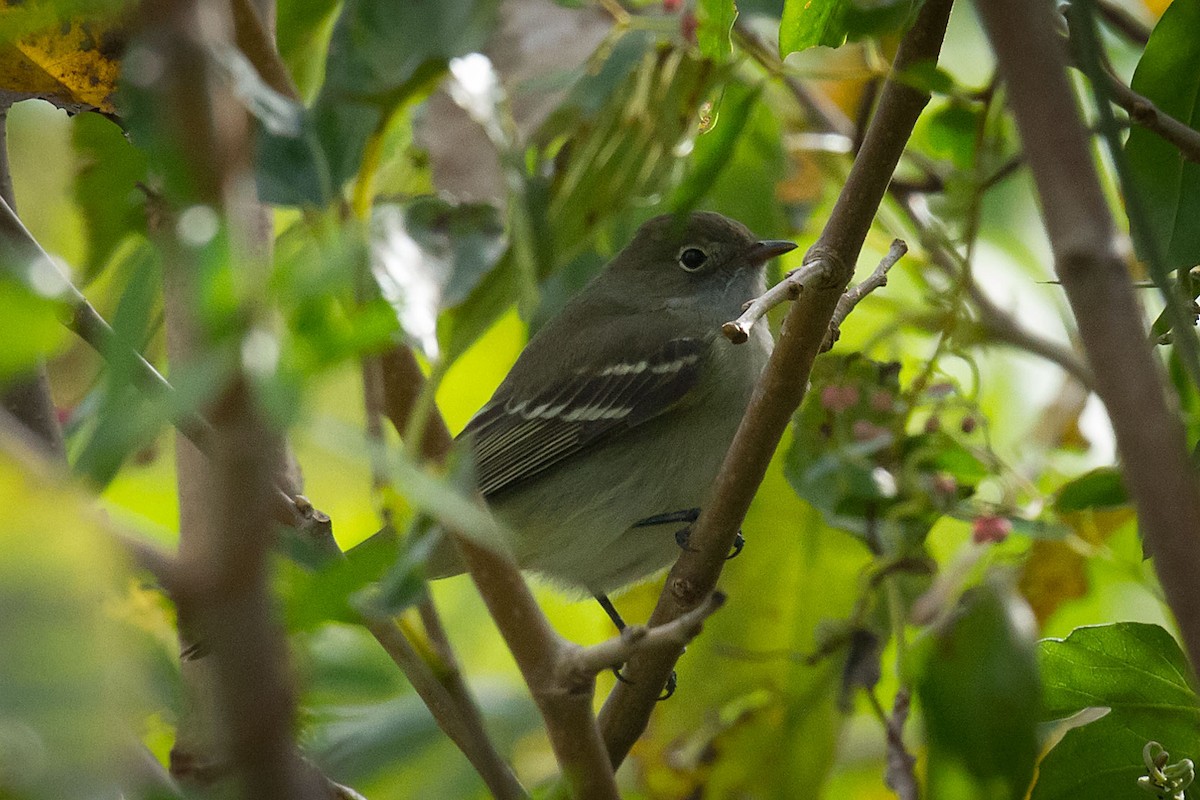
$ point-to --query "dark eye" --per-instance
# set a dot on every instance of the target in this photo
(692, 258)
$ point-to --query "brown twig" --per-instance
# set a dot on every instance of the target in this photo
(1143, 112)
(783, 383)
(537, 649)
(26, 397)
(241, 697)
(790, 288)
(19, 250)
(995, 322)
(444, 693)
(900, 775)
(853, 296)
(1087, 252)
(580, 666)
(1123, 21)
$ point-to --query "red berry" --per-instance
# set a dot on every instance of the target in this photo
(671, 6)
(881, 401)
(990, 528)
(687, 26)
(969, 424)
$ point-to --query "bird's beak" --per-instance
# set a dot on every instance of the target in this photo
(764, 251)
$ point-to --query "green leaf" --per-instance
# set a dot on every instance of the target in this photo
(302, 29)
(72, 683)
(1100, 488)
(809, 23)
(38, 320)
(105, 188)
(1138, 671)
(981, 699)
(291, 167)
(714, 148)
(429, 255)
(878, 17)
(1168, 74)
(381, 55)
(313, 597)
(714, 21)
(950, 134)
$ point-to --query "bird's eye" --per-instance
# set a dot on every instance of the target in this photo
(692, 258)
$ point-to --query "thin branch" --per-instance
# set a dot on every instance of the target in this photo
(537, 649)
(1087, 251)
(995, 322)
(852, 297)
(242, 704)
(21, 251)
(1124, 22)
(790, 288)
(900, 775)
(445, 693)
(783, 383)
(580, 666)
(27, 397)
(1143, 112)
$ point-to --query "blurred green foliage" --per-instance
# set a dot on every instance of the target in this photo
(931, 490)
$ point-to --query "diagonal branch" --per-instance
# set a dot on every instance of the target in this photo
(537, 649)
(1087, 252)
(1142, 110)
(783, 384)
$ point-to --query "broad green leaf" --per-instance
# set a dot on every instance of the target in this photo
(878, 17)
(1168, 74)
(37, 318)
(381, 55)
(714, 20)
(809, 23)
(106, 187)
(429, 255)
(714, 148)
(1101, 488)
(312, 597)
(1139, 672)
(302, 29)
(981, 699)
(71, 681)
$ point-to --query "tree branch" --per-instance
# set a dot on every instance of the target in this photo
(996, 322)
(538, 650)
(240, 692)
(1142, 111)
(26, 397)
(783, 384)
(444, 693)
(852, 297)
(1087, 252)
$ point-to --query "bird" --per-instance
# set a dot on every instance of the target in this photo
(612, 425)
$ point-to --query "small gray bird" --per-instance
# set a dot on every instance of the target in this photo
(611, 427)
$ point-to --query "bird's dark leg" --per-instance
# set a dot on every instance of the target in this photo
(612, 612)
(615, 616)
(688, 515)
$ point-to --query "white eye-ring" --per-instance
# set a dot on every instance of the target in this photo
(692, 258)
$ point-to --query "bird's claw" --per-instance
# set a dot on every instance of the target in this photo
(739, 542)
(684, 534)
(668, 690)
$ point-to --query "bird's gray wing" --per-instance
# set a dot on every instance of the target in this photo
(515, 438)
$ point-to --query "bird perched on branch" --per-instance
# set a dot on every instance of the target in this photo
(612, 425)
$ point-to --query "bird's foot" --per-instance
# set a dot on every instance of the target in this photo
(739, 542)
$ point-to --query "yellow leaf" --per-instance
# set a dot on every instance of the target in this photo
(1056, 571)
(71, 60)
